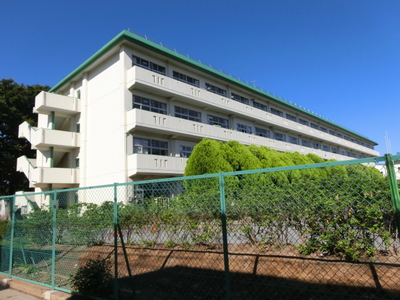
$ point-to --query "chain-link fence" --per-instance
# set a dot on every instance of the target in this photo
(323, 231)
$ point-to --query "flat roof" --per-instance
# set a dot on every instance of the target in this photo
(141, 41)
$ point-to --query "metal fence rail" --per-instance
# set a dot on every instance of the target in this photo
(321, 231)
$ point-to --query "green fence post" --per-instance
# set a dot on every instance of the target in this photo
(115, 243)
(54, 203)
(12, 210)
(224, 235)
(394, 190)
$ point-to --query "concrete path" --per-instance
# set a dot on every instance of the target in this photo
(11, 294)
(15, 289)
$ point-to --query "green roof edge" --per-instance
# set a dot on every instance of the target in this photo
(136, 39)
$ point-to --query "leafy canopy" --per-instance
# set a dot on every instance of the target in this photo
(16, 106)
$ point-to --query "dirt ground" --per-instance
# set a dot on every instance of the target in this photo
(274, 273)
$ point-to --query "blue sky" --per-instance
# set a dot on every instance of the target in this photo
(338, 58)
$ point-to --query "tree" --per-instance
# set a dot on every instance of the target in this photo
(207, 158)
(16, 105)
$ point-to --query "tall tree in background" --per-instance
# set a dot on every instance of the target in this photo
(16, 105)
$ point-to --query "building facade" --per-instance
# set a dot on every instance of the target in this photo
(135, 110)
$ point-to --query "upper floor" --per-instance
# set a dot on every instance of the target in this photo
(249, 115)
(177, 76)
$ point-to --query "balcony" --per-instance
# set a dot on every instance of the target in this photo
(155, 165)
(169, 87)
(48, 102)
(44, 138)
(40, 177)
(180, 128)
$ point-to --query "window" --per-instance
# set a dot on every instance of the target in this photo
(291, 117)
(259, 105)
(304, 122)
(276, 112)
(244, 128)
(185, 151)
(316, 145)
(148, 65)
(326, 148)
(188, 114)
(215, 89)
(78, 94)
(332, 132)
(313, 125)
(149, 104)
(344, 152)
(279, 136)
(214, 120)
(78, 127)
(293, 140)
(185, 78)
(77, 163)
(339, 135)
(147, 146)
(240, 98)
(306, 143)
(335, 150)
(323, 129)
(346, 138)
(262, 132)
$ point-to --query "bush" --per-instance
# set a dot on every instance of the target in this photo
(94, 279)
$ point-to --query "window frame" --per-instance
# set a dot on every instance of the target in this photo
(316, 145)
(266, 134)
(323, 129)
(217, 121)
(153, 106)
(215, 89)
(306, 143)
(276, 112)
(244, 128)
(303, 122)
(293, 140)
(260, 106)
(291, 117)
(152, 147)
(282, 137)
(149, 65)
(185, 151)
(187, 114)
(240, 98)
(185, 78)
(326, 148)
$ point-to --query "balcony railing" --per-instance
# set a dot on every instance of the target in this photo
(43, 137)
(48, 102)
(168, 125)
(155, 165)
(43, 176)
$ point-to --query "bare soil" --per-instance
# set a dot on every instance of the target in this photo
(269, 273)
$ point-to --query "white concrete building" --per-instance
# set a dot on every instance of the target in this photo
(135, 110)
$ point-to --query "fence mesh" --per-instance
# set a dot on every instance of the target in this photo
(327, 231)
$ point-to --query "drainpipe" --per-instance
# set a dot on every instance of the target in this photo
(51, 158)
(52, 121)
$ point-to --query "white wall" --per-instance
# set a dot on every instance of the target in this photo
(105, 139)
